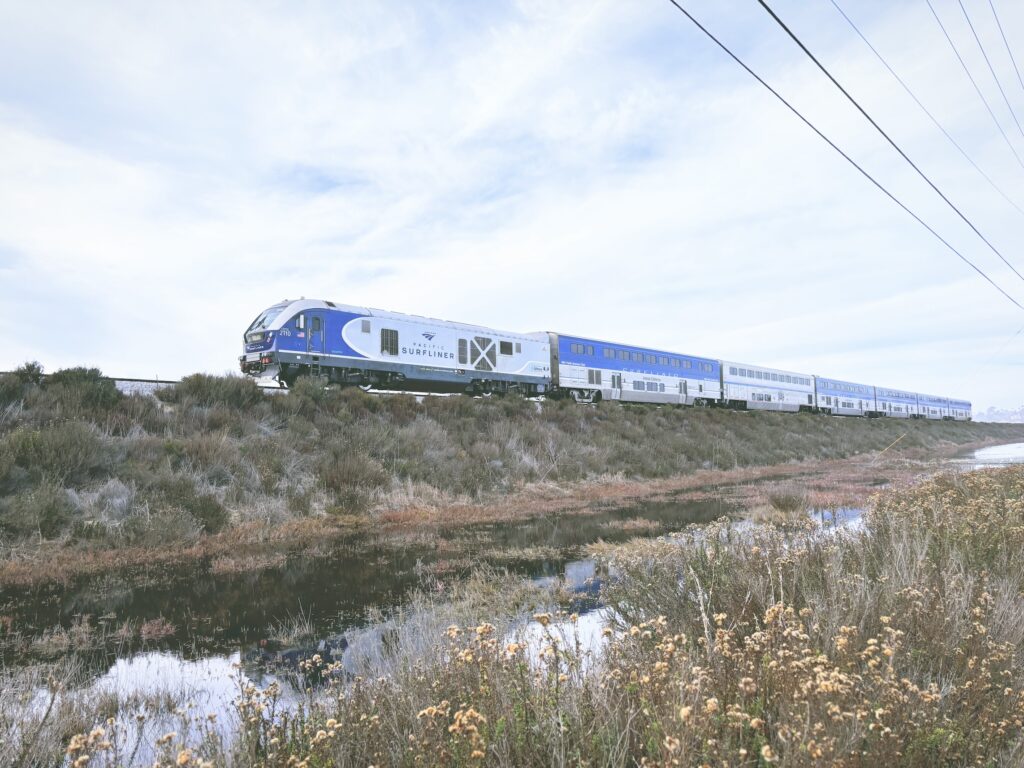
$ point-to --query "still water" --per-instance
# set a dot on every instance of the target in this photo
(997, 456)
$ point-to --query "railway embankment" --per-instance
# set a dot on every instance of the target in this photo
(92, 479)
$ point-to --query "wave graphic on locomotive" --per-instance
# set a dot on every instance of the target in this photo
(376, 349)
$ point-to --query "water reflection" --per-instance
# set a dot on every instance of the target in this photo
(997, 456)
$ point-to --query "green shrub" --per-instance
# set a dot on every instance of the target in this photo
(11, 389)
(78, 393)
(15, 384)
(351, 476)
(170, 491)
(205, 390)
(168, 526)
(68, 452)
(45, 510)
(209, 513)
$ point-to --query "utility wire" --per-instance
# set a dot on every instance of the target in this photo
(924, 109)
(886, 136)
(991, 69)
(845, 156)
(974, 83)
(1007, 44)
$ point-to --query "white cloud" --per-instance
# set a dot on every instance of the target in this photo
(588, 167)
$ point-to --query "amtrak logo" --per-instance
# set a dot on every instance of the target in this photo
(429, 336)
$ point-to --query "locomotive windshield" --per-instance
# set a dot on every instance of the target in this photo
(266, 318)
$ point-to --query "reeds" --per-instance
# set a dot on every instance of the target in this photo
(895, 644)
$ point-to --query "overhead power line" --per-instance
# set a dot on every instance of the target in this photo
(925, 109)
(1006, 43)
(977, 90)
(886, 136)
(991, 69)
(845, 156)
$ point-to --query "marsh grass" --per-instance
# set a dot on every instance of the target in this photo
(292, 630)
(894, 644)
(89, 468)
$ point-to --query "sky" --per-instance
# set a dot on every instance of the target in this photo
(600, 168)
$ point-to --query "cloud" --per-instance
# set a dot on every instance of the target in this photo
(596, 168)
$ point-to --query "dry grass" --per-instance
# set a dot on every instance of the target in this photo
(90, 476)
(896, 644)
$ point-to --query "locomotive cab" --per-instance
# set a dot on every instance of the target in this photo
(284, 339)
(258, 341)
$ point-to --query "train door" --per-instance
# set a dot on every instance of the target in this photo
(616, 386)
(315, 333)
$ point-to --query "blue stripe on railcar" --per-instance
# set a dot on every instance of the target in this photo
(594, 356)
(895, 396)
(838, 388)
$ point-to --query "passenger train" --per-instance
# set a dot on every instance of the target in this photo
(389, 350)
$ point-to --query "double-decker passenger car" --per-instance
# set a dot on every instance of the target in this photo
(960, 410)
(896, 403)
(767, 389)
(589, 370)
(933, 407)
(844, 398)
(389, 350)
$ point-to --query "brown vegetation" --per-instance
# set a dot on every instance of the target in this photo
(893, 644)
(91, 479)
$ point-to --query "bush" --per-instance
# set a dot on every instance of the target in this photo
(45, 510)
(78, 393)
(177, 493)
(169, 526)
(201, 389)
(209, 513)
(351, 476)
(68, 452)
(15, 384)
